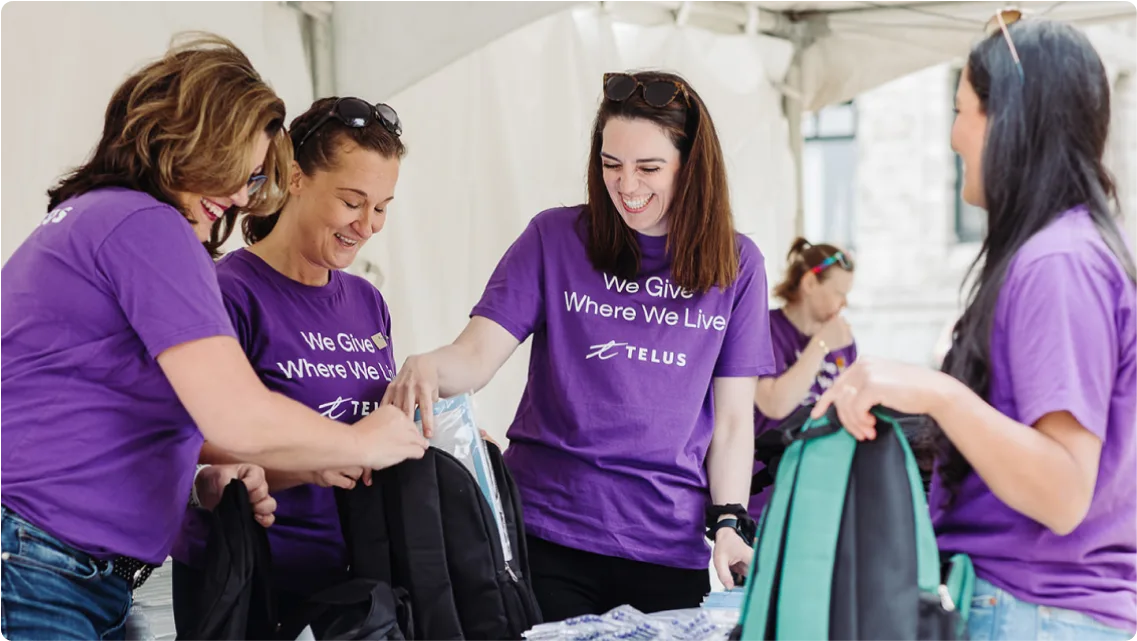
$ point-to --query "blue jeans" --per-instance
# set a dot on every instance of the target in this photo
(995, 614)
(49, 590)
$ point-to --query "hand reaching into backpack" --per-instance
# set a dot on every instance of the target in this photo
(212, 480)
(731, 554)
(345, 478)
(390, 437)
(416, 385)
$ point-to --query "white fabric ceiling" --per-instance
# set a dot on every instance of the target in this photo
(848, 47)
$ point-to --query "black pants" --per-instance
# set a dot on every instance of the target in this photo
(570, 582)
(187, 582)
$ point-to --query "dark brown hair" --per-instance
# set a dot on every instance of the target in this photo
(187, 123)
(802, 257)
(1043, 155)
(321, 152)
(701, 237)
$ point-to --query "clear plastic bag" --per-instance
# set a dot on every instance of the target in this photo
(626, 623)
(456, 433)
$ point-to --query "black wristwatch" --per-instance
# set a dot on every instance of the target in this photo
(741, 523)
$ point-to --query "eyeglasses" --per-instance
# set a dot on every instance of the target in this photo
(618, 87)
(838, 258)
(1001, 20)
(256, 181)
(357, 114)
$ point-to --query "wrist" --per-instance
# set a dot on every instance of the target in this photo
(820, 347)
(947, 393)
(195, 496)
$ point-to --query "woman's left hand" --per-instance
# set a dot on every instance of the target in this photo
(910, 389)
(730, 553)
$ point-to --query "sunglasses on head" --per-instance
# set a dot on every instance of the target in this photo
(1000, 21)
(837, 258)
(357, 114)
(618, 87)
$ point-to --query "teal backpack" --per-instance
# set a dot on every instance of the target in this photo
(845, 547)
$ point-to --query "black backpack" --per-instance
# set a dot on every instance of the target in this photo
(425, 528)
(845, 546)
(236, 599)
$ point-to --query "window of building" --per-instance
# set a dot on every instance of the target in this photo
(829, 165)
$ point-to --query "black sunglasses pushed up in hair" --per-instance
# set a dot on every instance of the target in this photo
(357, 114)
(658, 93)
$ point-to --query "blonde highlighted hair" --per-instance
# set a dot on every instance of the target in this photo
(188, 123)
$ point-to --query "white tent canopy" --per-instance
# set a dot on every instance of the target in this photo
(497, 100)
(845, 47)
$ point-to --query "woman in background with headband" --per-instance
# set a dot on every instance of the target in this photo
(647, 311)
(313, 333)
(1037, 401)
(812, 341)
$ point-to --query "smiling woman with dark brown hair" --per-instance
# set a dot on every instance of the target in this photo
(117, 349)
(648, 316)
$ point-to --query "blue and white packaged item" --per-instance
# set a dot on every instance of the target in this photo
(456, 433)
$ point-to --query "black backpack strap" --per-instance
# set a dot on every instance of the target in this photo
(363, 522)
(356, 609)
(760, 481)
(418, 559)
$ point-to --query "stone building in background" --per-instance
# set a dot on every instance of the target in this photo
(881, 179)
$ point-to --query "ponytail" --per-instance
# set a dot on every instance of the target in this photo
(801, 259)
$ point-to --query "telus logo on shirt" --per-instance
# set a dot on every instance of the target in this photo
(341, 406)
(55, 216)
(612, 349)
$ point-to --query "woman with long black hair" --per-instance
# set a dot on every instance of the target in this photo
(1036, 401)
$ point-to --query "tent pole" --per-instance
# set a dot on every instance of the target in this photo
(317, 35)
(792, 107)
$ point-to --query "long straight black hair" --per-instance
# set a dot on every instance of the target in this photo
(1046, 136)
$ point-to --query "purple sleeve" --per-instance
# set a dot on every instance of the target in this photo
(237, 306)
(163, 279)
(1062, 343)
(513, 297)
(746, 348)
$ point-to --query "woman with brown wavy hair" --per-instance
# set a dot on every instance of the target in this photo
(117, 348)
(648, 317)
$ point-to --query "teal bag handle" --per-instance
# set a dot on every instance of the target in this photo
(812, 531)
(961, 586)
(768, 547)
(927, 552)
(957, 591)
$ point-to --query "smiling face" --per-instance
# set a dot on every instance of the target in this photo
(640, 164)
(339, 209)
(204, 210)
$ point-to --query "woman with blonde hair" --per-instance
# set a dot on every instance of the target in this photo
(117, 348)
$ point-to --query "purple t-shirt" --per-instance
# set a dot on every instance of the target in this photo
(611, 435)
(97, 449)
(1063, 340)
(314, 345)
(789, 342)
